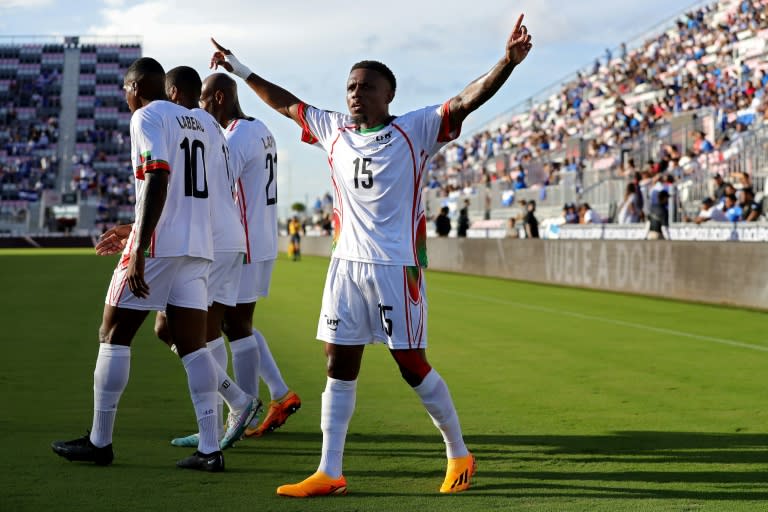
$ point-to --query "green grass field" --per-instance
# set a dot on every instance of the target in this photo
(571, 400)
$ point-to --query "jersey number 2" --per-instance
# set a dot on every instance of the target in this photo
(271, 162)
(191, 170)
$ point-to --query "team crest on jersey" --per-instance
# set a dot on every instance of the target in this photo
(145, 157)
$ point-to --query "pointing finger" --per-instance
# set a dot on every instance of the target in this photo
(518, 24)
(219, 47)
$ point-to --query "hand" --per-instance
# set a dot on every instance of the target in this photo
(219, 57)
(135, 276)
(113, 240)
(519, 43)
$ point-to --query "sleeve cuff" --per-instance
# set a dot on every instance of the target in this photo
(447, 132)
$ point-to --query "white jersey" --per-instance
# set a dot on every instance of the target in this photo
(253, 159)
(228, 231)
(378, 213)
(168, 137)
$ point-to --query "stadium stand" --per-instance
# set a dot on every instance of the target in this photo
(64, 136)
(670, 110)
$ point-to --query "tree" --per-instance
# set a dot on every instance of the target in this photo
(298, 207)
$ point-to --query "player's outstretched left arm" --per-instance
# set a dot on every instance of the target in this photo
(482, 89)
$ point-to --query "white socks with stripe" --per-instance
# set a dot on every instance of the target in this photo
(338, 404)
(245, 364)
(268, 369)
(110, 377)
(202, 380)
(436, 398)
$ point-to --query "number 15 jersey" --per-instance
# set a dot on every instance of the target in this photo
(377, 178)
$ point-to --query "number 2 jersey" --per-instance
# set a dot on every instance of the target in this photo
(168, 137)
(253, 160)
(377, 178)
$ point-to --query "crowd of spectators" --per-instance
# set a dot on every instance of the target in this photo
(28, 135)
(710, 59)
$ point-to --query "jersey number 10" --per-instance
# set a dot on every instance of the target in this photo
(191, 160)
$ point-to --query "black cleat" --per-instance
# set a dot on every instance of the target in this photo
(83, 450)
(213, 462)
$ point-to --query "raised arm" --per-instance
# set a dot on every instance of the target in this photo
(482, 89)
(273, 95)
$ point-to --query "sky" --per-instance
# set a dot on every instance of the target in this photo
(434, 47)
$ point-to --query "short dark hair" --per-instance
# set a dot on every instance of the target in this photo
(380, 68)
(144, 66)
(186, 80)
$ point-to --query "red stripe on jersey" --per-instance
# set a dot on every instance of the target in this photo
(413, 206)
(243, 218)
(232, 125)
(151, 166)
(339, 201)
(306, 133)
(407, 306)
(447, 132)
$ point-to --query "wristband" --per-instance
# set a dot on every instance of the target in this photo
(238, 68)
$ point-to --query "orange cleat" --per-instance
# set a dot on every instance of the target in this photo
(458, 474)
(278, 412)
(318, 484)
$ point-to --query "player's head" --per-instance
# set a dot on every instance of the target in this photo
(182, 86)
(144, 81)
(370, 89)
(219, 97)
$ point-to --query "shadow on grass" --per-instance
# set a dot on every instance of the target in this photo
(673, 453)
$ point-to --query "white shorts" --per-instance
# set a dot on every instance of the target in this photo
(180, 281)
(224, 280)
(254, 281)
(368, 302)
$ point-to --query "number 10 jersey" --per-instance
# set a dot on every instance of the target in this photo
(168, 137)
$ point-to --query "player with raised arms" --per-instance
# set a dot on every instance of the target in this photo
(164, 266)
(253, 161)
(374, 289)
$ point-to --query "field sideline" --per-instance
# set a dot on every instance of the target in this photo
(571, 400)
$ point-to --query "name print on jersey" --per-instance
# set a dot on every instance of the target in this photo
(189, 123)
(268, 142)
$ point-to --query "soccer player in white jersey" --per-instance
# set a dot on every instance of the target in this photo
(374, 289)
(253, 161)
(183, 86)
(164, 266)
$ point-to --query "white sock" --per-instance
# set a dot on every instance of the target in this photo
(338, 404)
(237, 399)
(113, 365)
(436, 398)
(219, 352)
(268, 369)
(201, 377)
(245, 364)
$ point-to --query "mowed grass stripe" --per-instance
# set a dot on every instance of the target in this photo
(563, 412)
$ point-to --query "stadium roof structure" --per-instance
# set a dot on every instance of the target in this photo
(77, 40)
